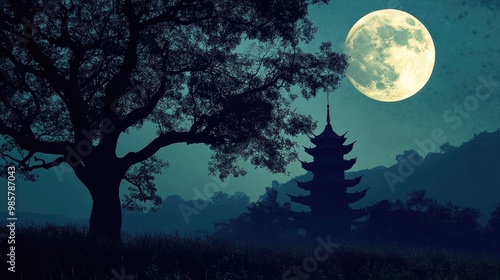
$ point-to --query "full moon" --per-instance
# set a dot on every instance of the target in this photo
(391, 55)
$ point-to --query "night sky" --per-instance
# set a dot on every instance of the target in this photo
(465, 35)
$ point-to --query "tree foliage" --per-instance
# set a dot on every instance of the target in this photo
(494, 221)
(77, 75)
(265, 221)
(423, 221)
(224, 199)
(408, 155)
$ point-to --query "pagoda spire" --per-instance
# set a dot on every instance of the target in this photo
(327, 108)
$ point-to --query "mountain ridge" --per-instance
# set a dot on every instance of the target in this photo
(451, 175)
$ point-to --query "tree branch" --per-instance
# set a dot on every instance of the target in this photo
(45, 165)
(169, 138)
(116, 86)
(29, 143)
(171, 16)
(24, 161)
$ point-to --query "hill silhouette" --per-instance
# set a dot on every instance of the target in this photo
(175, 216)
(187, 216)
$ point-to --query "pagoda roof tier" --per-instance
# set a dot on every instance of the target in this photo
(316, 165)
(328, 135)
(329, 148)
(313, 200)
(347, 183)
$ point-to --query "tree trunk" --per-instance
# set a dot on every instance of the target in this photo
(102, 178)
(106, 217)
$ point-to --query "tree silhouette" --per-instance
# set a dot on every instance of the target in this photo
(264, 221)
(77, 76)
(423, 221)
(494, 227)
(378, 224)
(222, 198)
(408, 155)
(446, 147)
(494, 221)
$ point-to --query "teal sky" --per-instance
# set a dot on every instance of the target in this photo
(460, 99)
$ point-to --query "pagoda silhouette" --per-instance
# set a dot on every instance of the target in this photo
(328, 198)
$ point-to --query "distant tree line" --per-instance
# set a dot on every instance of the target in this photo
(265, 221)
(422, 221)
(418, 221)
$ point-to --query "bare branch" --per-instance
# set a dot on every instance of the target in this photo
(45, 165)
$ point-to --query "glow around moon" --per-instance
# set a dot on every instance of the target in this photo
(392, 55)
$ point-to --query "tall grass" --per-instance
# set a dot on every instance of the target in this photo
(52, 252)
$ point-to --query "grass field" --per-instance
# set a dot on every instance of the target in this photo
(53, 252)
